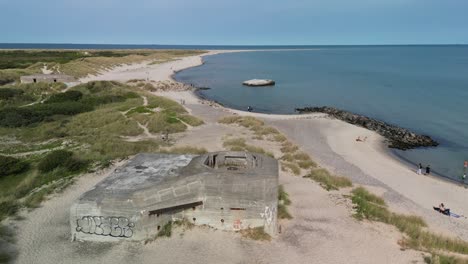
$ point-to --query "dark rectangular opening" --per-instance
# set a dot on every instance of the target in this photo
(34, 80)
(237, 208)
(55, 80)
(174, 208)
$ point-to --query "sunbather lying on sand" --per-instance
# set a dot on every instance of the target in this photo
(359, 139)
(442, 209)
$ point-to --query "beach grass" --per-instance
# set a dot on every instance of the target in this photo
(97, 135)
(239, 144)
(283, 202)
(443, 259)
(256, 233)
(327, 180)
(16, 63)
(291, 167)
(288, 148)
(417, 236)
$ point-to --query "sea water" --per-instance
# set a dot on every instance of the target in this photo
(422, 88)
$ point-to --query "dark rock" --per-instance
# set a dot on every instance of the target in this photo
(399, 138)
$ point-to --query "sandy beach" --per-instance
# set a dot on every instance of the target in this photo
(322, 230)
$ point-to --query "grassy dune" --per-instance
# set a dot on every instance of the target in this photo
(78, 63)
(91, 121)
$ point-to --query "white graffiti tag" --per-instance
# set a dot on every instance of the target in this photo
(105, 226)
(269, 214)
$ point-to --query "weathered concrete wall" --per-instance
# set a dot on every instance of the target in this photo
(137, 200)
(49, 78)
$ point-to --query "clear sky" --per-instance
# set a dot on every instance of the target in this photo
(235, 22)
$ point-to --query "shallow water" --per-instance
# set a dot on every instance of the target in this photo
(423, 88)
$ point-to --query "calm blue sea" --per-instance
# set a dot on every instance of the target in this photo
(423, 88)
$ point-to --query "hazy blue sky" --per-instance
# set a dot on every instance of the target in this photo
(234, 22)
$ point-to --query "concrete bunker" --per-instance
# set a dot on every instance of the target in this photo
(48, 78)
(224, 190)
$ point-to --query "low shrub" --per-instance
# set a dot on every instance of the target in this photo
(103, 99)
(11, 165)
(17, 117)
(61, 158)
(68, 96)
(283, 212)
(24, 116)
(283, 202)
(8, 93)
(283, 196)
(166, 230)
(8, 207)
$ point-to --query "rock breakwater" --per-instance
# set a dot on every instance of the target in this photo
(399, 138)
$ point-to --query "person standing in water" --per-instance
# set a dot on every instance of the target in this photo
(428, 169)
(420, 169)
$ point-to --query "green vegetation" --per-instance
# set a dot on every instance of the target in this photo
(327, 180)
(23, 94)
(238, 144)
(61, 158)
(288, 147)
(22, 59)
(441, 259)
(257, 126)
(15, 63)
(283, 202)
(11, 165)
(166, 230)
(372, 207)
(292, 167)
(256, 233)
(88, 121)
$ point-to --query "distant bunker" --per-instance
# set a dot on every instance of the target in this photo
(48, 78)
(224, 190)
(259, 82)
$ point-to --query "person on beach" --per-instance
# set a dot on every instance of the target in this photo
(428, 169)
(465, 166)
(359, 139)
(420, 169)
(249, 108)
(442, 209)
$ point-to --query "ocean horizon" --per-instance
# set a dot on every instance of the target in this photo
(422, 88)
(205, 47)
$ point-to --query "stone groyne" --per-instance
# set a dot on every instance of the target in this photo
(398, 138)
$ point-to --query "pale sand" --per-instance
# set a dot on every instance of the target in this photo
(322, 230)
